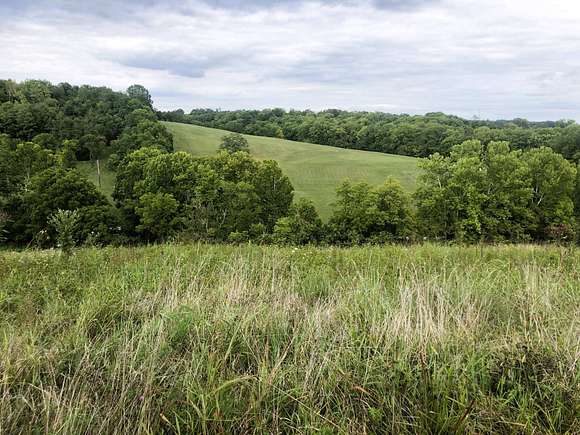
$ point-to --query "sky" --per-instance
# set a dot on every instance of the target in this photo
(494, 59)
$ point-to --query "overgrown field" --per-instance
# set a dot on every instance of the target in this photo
(205, 339)
(315, 170)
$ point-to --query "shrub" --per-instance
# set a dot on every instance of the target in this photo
(49, 191)
(65, 223)
(302, 226)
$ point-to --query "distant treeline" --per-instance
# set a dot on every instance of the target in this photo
(418, 136)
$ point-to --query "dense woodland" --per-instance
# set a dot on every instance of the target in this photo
(482, 182)
(417, 136)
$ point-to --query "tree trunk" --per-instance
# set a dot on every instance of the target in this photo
(99, 172)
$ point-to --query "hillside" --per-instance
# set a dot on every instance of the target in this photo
(315, 170)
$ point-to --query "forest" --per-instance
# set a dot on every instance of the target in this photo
(477, 188)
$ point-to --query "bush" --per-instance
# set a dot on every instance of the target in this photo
(100, 225)
(302, 226)
(65, 223)
(49, 191)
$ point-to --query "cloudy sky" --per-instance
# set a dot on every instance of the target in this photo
(486, 58)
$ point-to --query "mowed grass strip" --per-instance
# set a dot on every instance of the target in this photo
(315, 170)
(89, 170)
(250, 339)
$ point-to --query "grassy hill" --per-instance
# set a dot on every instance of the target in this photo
(315, 170)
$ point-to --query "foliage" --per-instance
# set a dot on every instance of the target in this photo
(48, 192)
(32, 108)
(101, 224)
(158, 215)
(146, 133)
(65, 224)
(50, 115)
(3, 225)
(234, 142)
(577, 192)
(568, 142)
(209, 197)
(497, 185)
(553, 180)
(93, 145)
(302, 226)
(364, 214)
(494, 194)
(138, 92)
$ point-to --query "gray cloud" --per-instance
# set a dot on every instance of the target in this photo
(175, 66)
(114, 9)
(516, 59)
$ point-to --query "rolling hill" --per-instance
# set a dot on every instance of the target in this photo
(315, 170)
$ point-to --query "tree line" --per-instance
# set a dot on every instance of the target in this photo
(476, 192)
(417, 136)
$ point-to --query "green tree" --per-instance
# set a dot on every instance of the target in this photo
(101, 224)
(34, 91)
(145, 134)
(49, 191)
(139, 115)
(577, 192)
(4, 217)
(8, 91)
(234, 142)
(140, 93)
(30, 159)
(47, 141)
(552, 182)
(96, 146)
(507, 214)
(495, 194)
(435, 210)
(302, 226)
(451, 194)
(130, 172)
(158, 214)
(567, 142)
(363, 214)
(274, 190)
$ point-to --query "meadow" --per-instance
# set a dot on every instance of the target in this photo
(251, 339)
(314, 170)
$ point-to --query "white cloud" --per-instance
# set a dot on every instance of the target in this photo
(495, 59)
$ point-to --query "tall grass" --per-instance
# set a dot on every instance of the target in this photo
(206, 339)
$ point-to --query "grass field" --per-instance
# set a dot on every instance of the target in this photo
(315, 170)
(249, 339)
